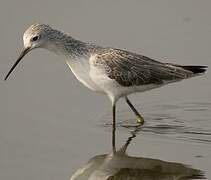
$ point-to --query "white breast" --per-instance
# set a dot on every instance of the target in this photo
(81, 69)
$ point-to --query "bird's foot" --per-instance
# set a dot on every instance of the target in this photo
(140, 120)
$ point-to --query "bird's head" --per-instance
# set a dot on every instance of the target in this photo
(37, 35)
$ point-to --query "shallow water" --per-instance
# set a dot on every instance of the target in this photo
(50, 125)
(118, 164)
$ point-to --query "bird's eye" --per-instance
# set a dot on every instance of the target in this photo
(35, 38)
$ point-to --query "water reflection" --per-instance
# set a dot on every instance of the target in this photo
(118, 165)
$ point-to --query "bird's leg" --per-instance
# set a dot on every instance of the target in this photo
(114, 128)
(140, 119)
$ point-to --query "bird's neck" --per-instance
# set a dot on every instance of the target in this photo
(64, 45)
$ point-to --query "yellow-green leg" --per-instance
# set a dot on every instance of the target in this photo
(140, 119)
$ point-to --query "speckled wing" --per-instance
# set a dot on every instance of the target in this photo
(130, 69)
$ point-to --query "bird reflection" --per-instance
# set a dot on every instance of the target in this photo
(118, 165)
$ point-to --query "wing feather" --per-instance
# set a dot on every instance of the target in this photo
(130, 69)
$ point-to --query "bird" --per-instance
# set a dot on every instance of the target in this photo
(114, 72)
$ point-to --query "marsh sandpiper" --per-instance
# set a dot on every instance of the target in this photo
(114, 72)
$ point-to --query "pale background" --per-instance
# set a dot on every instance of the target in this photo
(50, 124)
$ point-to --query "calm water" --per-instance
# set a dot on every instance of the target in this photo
(51, 127)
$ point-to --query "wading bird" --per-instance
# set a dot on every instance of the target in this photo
(114, 72)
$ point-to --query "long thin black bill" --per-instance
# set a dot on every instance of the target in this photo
(23, 53)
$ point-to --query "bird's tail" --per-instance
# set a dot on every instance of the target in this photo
(195, 69)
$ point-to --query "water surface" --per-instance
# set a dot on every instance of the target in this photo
(51, 125)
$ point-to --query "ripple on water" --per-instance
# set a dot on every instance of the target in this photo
(172, 121)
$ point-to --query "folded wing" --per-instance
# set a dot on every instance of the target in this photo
(130, 69)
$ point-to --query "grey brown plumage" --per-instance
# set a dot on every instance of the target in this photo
(131, 69)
